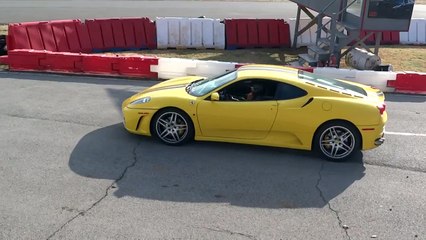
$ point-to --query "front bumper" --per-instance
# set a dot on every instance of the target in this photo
(137, 120)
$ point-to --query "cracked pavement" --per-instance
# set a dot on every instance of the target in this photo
(70, 171)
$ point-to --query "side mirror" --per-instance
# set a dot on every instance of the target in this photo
(215, 96)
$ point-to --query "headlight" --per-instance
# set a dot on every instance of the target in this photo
(141, 100)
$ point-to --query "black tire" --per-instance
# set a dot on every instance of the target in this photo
(337, 141)
(172, 127)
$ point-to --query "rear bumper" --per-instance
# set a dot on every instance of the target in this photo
(379, 141)
(372, 137)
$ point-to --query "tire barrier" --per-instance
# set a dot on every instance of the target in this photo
(199, 33)
(252, 33)
(416, 34)
(409, 82)
(98, 64)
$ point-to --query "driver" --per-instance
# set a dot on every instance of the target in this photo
(255, 91)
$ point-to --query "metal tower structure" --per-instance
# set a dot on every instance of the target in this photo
(341, 22)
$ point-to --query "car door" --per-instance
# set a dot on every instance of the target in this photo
(237, 118)
(292, 124)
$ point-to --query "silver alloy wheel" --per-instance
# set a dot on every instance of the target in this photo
(337, 142)
(171, 127)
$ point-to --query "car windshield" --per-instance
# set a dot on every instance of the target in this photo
(202, 87)
(331, 83)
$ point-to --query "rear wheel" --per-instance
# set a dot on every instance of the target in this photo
(172, 126)
(337, 141)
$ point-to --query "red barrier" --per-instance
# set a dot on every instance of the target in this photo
(35, 37)
(137, 66)
(62, 36)
(100, 64)
(95, 33)
(107, 34)
(47, 36)
(119, 34)
(62, 62)
(249, 33)
(119, 38)
(388, 38)
(84, 38)
(129, 33)
(4, 60)
(18, 37)
(414, 83)
(67, 37)
(145, 33)
(110, 65)
(26, 60)
(75, 36)
(306, 69)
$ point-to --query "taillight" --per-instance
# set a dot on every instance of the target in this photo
(382, 108)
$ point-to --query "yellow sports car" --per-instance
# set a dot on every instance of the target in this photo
(263, 105)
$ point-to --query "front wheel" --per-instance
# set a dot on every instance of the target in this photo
(172, 126)
(337, 141)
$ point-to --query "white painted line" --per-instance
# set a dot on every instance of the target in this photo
(406, 134)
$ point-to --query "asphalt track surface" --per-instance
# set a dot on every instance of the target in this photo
(39, 10)
(69, 170)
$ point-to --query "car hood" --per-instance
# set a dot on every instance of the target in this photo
(172, 84)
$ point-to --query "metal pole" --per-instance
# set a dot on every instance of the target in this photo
(296, 28)
(378, 40)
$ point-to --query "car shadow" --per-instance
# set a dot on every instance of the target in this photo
(205, 172)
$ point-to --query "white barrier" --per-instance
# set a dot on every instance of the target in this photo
(176, 67)
(309, 37)
(211, 68)
(416, 34)
(173, 32)
(375, 79)
(173, 67)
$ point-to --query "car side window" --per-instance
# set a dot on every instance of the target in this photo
(249, 90)
(286, 91)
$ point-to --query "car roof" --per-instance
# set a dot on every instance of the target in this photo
(268, 72)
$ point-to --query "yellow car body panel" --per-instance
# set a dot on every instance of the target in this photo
(282, 123)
